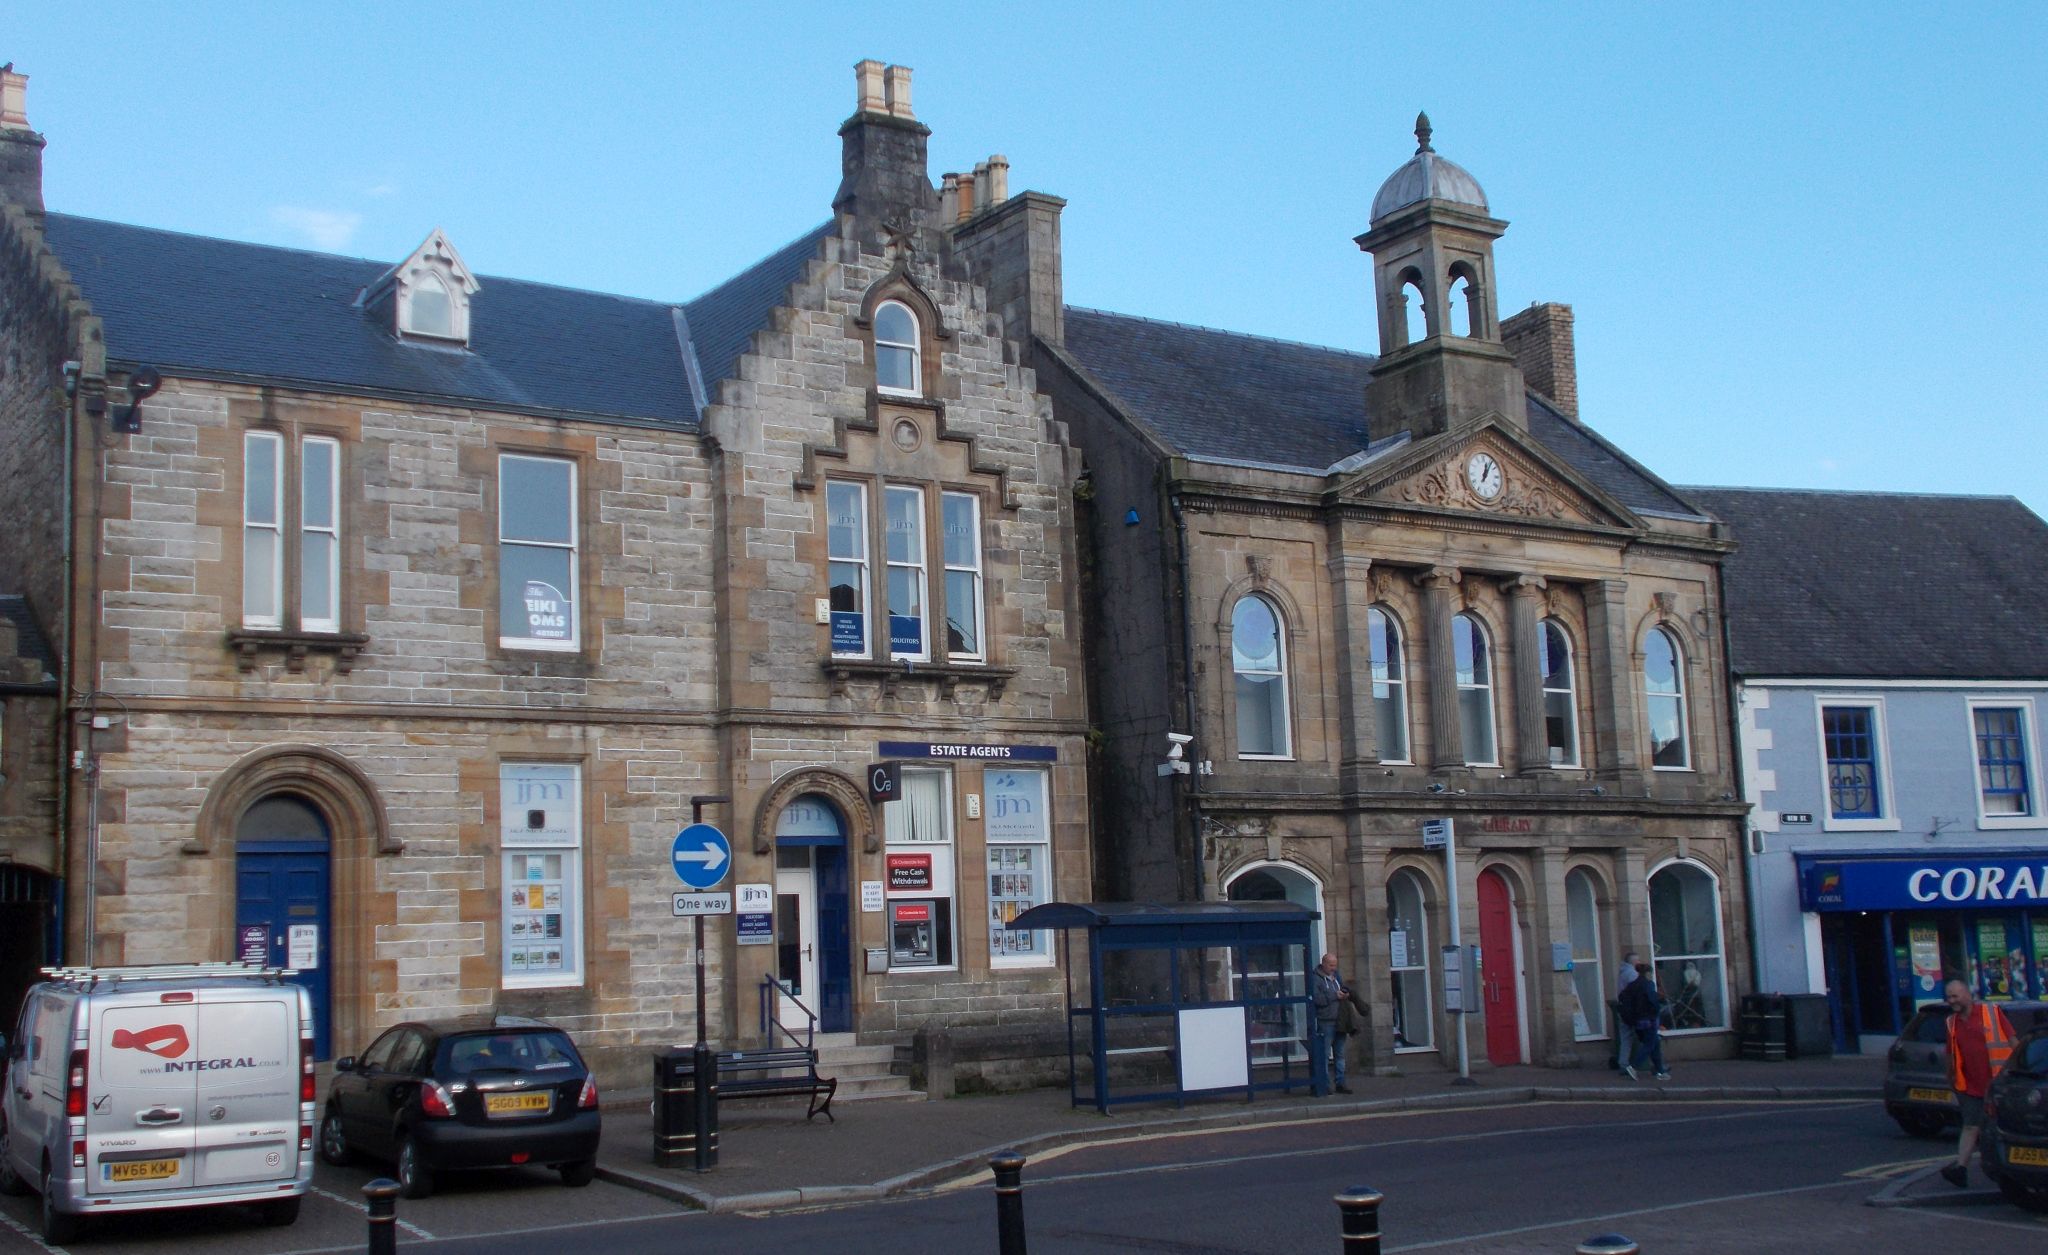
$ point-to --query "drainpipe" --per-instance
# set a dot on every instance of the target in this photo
(1193, 786)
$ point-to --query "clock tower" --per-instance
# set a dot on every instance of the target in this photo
(1441, 361)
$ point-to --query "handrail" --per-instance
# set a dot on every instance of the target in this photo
(771, 1022)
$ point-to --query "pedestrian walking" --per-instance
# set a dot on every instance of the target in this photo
(1979, 1042)
(1641, 1006)
(1328, 1043)
(1624, 1036)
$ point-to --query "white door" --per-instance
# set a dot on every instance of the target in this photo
(796, 937)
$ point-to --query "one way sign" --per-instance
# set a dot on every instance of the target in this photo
(700, 856)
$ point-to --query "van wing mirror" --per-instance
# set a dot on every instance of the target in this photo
(347, 1063)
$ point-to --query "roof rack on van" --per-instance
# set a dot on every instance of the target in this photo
(163, 971)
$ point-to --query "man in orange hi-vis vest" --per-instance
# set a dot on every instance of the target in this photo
(1979, 1042)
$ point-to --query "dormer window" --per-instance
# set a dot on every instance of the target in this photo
(428, 294)
(897, 351)
(430, 312)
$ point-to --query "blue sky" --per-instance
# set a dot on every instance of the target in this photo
(1804, 242)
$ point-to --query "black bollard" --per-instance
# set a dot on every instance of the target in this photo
(382, 1194)
(1607, 1244)
(1360, 1207)
(1009, 1170)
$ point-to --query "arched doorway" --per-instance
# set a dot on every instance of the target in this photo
(1500, 970)
(1278, 1033)
(283, 912)
(813, 928)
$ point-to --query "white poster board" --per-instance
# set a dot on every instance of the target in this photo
(1212, 1049)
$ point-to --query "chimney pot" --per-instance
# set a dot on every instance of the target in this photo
(873, 96)
(13, 99)
(899, 92)
(965, 209)
(999, 179)
(981, 186)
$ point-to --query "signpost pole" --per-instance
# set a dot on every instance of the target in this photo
(703, 1112)
(1468, 979)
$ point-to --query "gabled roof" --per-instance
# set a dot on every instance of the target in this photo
(1222, 396)
(1876, 585)
(194, 305)
(723, 321)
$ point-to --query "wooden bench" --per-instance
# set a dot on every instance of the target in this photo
(767, 1073)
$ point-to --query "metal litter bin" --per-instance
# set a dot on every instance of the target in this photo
(677, 1096)
(1763, 1027)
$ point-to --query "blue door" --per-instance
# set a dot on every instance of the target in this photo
(835, 942)
(282, 919)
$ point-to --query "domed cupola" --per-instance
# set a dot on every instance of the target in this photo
(1427, 176)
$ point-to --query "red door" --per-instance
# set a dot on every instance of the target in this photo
(1497, 971)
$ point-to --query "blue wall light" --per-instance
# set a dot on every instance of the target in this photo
(1130, 518)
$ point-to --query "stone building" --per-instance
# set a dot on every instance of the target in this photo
(419, 604)
(1381, 590)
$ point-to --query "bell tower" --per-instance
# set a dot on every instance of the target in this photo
(1441, 360)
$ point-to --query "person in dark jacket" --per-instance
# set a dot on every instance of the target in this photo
(1641, 1007)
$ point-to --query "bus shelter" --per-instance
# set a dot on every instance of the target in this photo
(1186, 998)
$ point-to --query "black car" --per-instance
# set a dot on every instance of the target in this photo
(2016, 1124)
(1917, 1090)
(464, 1094)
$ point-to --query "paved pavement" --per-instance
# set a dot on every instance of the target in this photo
(771, 1159)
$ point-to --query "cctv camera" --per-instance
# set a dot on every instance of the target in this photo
(1179, 738)
(144, 383)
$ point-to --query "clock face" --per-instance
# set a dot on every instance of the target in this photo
(1484, 474)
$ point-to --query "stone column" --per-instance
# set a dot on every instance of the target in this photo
(1446, 746)
(1525, 603)
(1610, 669)
(1351, 584)
(1554, 1037)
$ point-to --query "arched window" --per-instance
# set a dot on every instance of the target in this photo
(1560, 696)
(282, 817)
(1408, 952)
(1664, 682)
(1464, 297)
(1414, 312)
(1475, 690)
(897, 350)
(1277, 971)
(1582, 912)
(1389, 685)
(1258, 656)
(1685, 944)
(430, 311)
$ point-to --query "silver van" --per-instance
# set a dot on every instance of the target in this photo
(145, 1088)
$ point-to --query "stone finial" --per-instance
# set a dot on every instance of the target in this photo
(13, 98)
(1422, 133)
(872, 95)
(899, 92)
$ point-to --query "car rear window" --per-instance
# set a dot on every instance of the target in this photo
(509, 1052)
(1930, 1026)
(2031, 1057)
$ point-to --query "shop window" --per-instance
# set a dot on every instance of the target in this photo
(541, 834)
(268, 507)
(898, 351)
(2004, 769)
(537, 592)
(846, 546)
(903, 550)
(1664, 684)
(1852, 743)
(1408, 955)
(1474, 661)
(1582, 911)
(1685, 942)
(960, 525)
(918, 859)
(1389, 684)
(1560, 696)
(1018, 829)
(1258, 657)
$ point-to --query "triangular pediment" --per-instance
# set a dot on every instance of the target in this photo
(1486, 467)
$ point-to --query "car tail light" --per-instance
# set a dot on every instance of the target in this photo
(78, 1153)
(305, 1069)
(305, 1137)
(587, 1100)
(434, 1099)
(74, 1085)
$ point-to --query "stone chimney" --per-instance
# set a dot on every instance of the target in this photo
(1540, 337)
(21, 149)
(882, 161)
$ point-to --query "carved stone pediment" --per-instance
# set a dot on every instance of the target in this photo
(1487, 469)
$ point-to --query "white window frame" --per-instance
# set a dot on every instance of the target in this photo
(1720, 932)
(1485, 640)
(1425, 951)
(914, 347)
(511, 844)
(1570, 690)
(1683, 697)
(1597, 1026)
(574, 593)
(865, 593)
(973, 571)
(2031, 817)
(409, 318)
(1284, 717)
(331, 530)
(274, 442)
(1398, 686)
(1887, 819)
(918, 566)
(1044, 871)
(945, 890)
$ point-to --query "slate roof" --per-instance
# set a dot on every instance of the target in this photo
(221, 308)
(1875, 585)
(29, 641)
(1237, 398)
(723, 321)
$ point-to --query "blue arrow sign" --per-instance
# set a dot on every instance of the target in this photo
(701, 856)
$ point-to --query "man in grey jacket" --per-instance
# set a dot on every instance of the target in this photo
(1326, 1045)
